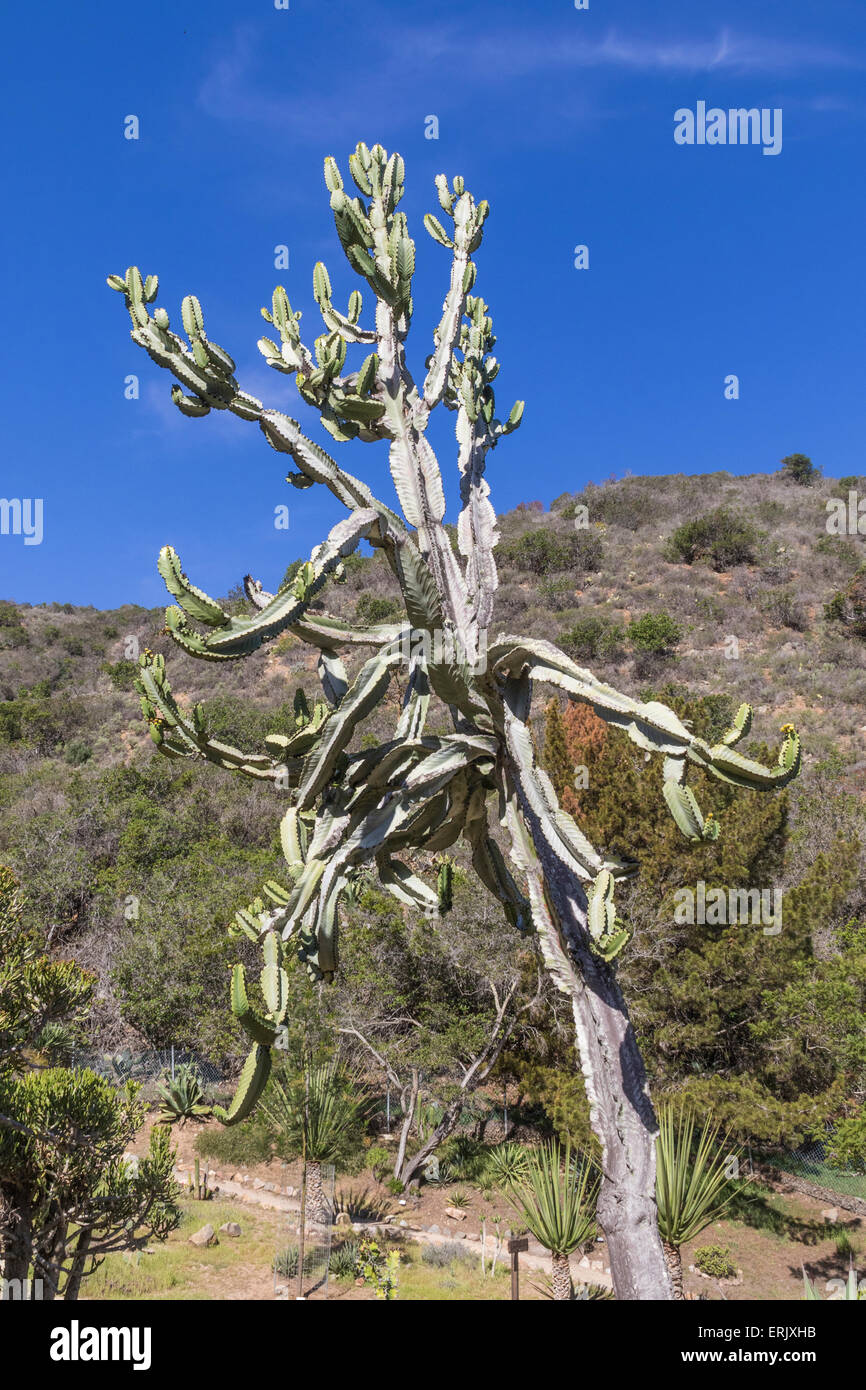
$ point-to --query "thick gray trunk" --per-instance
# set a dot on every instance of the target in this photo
(621, 1112)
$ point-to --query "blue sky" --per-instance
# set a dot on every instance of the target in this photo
(704, 261)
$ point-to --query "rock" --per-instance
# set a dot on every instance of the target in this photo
(584, 1263)
(455, 1213)
(230, 1228)
(258, 1184)
(596, 1264)
(434, 1230)
(206, 1236)
(831, 1215)
(131, 1161)
(343, 1219)
(402, 1223)
(270, 1187)
(470, 1235)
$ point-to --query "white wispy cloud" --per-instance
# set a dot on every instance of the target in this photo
(237, 86)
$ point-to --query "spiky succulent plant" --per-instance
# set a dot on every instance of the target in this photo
(418, 792)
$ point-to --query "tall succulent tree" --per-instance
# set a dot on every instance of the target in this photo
(417, 791)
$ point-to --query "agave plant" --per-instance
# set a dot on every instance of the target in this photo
(850, 1290)
(693, 1186)
(182, 1096)
(556, 1202)
(419, 793)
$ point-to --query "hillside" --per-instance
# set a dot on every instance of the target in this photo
(99, 828)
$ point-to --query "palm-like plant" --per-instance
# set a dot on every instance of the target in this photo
(420, 792)
(508, 1163)
(693, 1186)
(556, 1202)
(319, 1116)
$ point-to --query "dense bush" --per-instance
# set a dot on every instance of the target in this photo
(715, 1260)
(654, 633)
(720, 537)
(798, 468)
(593, 636)
(371, 609)
(546, 552)
(12, 630)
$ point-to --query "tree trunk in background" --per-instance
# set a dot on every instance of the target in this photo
(76, 1272)
(318, 1209)
(561, 1277)
(675, 1267)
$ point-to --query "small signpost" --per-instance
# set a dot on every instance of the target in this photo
(515, 1246)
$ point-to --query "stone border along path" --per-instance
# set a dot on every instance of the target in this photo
(583, 1270)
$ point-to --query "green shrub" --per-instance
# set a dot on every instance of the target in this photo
(798, 468)
(379, 1161)
(120, 673)
(715, 1260)
(241, 1145)
(655, 633)
(593, 636)
(78, 752)
(846, 1148)
(545, 552)
(370, 610)
(720, 537)
(12, 630)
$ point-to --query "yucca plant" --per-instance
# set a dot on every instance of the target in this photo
(693, 1186)
(182, 1096)
(418, 793)
(556, 1202)
(319, 1116)
(508, 1163)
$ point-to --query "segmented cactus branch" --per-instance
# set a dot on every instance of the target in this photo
(414, 797)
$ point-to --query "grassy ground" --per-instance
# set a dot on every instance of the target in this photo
(769, 1236)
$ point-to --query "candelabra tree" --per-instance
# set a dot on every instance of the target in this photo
(419, 793)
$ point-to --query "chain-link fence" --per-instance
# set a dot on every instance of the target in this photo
(151, 1068)
(310, 1247)
(810, 1162)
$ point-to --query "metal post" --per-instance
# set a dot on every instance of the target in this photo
(172, 1061)
(514, 1249)
(505, 1109)
(388, 1109)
